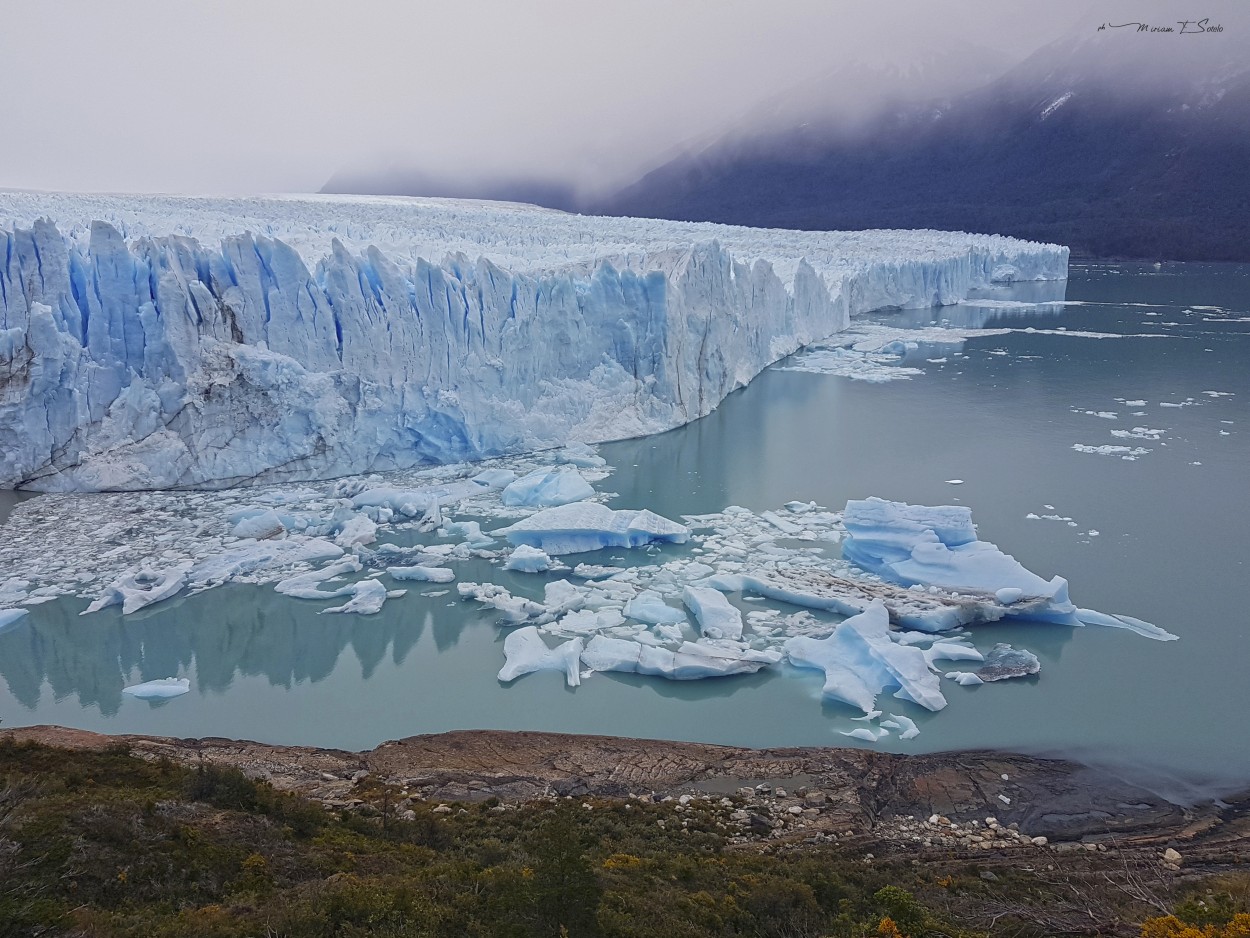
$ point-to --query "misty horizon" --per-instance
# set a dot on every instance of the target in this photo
(279, 100)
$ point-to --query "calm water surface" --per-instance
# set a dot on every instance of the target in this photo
(1171, 549)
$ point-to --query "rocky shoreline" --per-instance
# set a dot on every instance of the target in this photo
(979, 803)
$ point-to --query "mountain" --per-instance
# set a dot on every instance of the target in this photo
(1115, 142)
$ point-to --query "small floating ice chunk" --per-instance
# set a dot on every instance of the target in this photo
(867, 735)
(780, 523)
(526, 559)
(583, 526)
(368, 596)
(1091, 617)
(582, 455)
(410, 503)
(356, 531)
(952, 651)
(494, 478)
(142, 588)
(423, 574)
(252, 556)
(541, 488)
(731, 650)
(159, 689)
(650, 607)
(513, 608)
(526, 652)
(1004, 662)
(587, 621)
(1124, 452)
(908, 726)
(307, 585)
(259, 526)
(954, 481)
(1139, 433)
(860, 660)
(964, 678)
(670, 633)
(611, 654)
(614, 654)
(471, 531)
(716, 616)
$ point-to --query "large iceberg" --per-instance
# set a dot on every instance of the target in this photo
(159, 342)
(917, 545)
(860, 659)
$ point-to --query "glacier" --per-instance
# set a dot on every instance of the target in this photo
(156, 342)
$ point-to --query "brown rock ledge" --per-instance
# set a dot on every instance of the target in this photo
(858, 792)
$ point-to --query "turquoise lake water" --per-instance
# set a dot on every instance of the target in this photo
(1002, 416)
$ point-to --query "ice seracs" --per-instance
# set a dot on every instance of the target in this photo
(203, 342)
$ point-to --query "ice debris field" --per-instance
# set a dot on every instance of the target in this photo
(472, 351)
(879, 598)
(152, 342)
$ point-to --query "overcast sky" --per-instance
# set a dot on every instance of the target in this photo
(277, 95)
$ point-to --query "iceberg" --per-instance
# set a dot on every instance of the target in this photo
(175, 342)
(716, 617)
(307, 585)
(526, 559)
(1005, 662)
(915, 545)
(614, 654)
(526, 653)
(249, 557)
(583, 526)
(143, 588)
(514, 608)
(860, 660)
(906, 724)
(259, 526)
(159, 689)
(368, 596)
(544, 488)
(650, 607)
(424, 574)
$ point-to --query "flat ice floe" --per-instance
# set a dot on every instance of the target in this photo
(874, 351)
(161, 689)
(162, 342)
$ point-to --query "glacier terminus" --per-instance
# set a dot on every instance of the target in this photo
(153, 342)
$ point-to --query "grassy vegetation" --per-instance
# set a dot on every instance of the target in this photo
(102, 844)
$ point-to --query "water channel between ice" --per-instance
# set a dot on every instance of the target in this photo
(1001, 412)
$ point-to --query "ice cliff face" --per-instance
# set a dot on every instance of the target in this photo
(157, 342)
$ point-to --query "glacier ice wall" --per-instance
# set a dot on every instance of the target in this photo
(159, 342)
